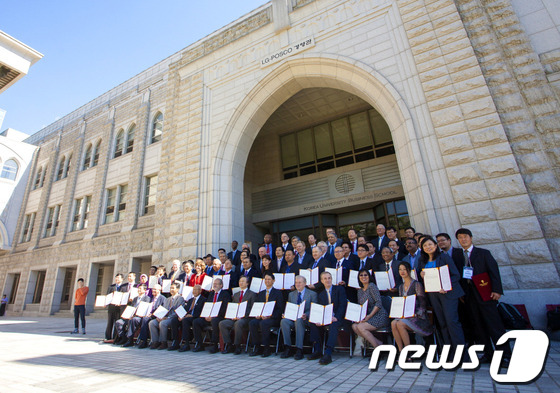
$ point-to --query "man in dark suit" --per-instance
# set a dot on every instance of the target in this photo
(390, 264)
(278, 260)
(235, 255)
(391, 234)
(413, 256)
(268, 246)
(249, 271)
(157, 300)
(122, 324)
(298, 296)
(320, 263)
(312, 240)
(240, 326)
(444, 244)
(263, 324)
(337, 296)
(234, 275)
(187, 272)
(304, 257)
(346, 265)
(353, 241)
(331, 243)
(216, 295)
(286, 245)
(381, 240)
(397, 255)
(114, 311)
(331, 260)
(175, 270)
(194, 308)
(364, 262)
(348, 255)
(158, 327)
(289, 264)
(472, 261)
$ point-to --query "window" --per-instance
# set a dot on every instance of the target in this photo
(116, 204)
(87, 158)
(345, 141)
(157, 128)
(150, 194)
(38, 177)
(67, 166)
(10, 170)
(81, 213)
(95, 154)
(13, 291)
(53, 216)
(27, 230)
(38, 293)
(60, 168)
(124, 142)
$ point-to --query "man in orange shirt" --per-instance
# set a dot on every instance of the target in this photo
(80, 306)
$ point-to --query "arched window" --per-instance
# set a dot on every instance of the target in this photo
(10, 170)
(87, 158)
(130, 139)
(119, 143)
(157, 128)
(96, 153)
(60, 168)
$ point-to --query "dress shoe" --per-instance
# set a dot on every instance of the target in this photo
(198, 348)
(143, 344)
(266, 353)
(75, 331)
(154, 345)
(256, 351)
(285, 354)
(185, 347)
(163, 345)
(238, 350)
(128, 343)
(214, 349)
(314, 356)
(325, 360)
(299, 354)
(229, 348)
(174, 346)
(83, 331)
(106, 341)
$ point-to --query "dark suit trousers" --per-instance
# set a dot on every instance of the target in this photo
(113, 314)
(144, 328)
(133, 326)
(488, 324)
(198, 328)
(315, 335)
(186, 325)
(447, 314)
(264, 325)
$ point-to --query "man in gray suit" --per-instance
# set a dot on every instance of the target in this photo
(159, 326)
(239, 326)
(298, 296)
(122, 324)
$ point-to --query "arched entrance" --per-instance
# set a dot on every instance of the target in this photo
(227, 214)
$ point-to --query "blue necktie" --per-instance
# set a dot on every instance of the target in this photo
(316, 263)
(299, 299)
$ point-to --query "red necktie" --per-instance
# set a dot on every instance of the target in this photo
(268, 249)
(240, 296)
(215, 297)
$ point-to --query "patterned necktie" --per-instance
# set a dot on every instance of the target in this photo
(466, 256)
(266, 295)
(299, 299)
(329, 295)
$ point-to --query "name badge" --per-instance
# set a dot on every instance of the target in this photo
(467, 272)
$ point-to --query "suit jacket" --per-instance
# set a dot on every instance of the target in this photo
(384, 243)
(274, 295)
(197, 306)
(172, 303)
(136, 301)
(331, 260)
(369, 265)
(395, 268)
(309, 297)
(276, 268)
(272, 249)
(338, 298)
(417, 261)
(156, 302)
(249, 296)
(306, 262)
(251, 273)
(294, 268)
(347, 265)
(113, 288)
(482, 261)
(224, 297)
(184, 278)
(288, 247)
(233, 280)
(441, 260)
(174, 275)
(235, 260)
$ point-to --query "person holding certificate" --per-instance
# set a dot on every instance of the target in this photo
(391, 266)
(217, 295)
(158, 327)
(248, 270)
(123, 332)
(270, 294)
(300, 295)
(445, 303)
(157, 300)
(419, 323)
(289, 264)
(198, 277)
(377, 316)
(240, 326)
(186, 274)
(114, 311)
(336, 296)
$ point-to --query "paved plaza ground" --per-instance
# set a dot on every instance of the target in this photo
(40, 355)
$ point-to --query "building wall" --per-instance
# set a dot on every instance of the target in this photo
(417, 63)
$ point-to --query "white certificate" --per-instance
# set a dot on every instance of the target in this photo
(161, 312)
(187, 292)
(207, 283)
(335, 273)
(231, 311)
(256, 310)
(409, 306)
(124, 298)
(117, 298)
(109, 298)
(445, 278)
(356, 312)
(180, 311)
(128, 312)
(383, 281)
(307, 275)
(181, 284)
(321, 314)
(142, 309)
(100, 301)
(432, 282)
(225, 280)
(235, 290)
(216, 309)
(268, 309)
(413, 274)
(166, 286)
(397, 307)
(327, 317)
(353, 279)
(257, 285)
(278, 281)
(242, 309)
(133, 293)
(206, 310)
(293, 311)
(289, 280)
(311, 276)
(152, 282)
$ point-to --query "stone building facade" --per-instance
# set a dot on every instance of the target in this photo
(461, 98)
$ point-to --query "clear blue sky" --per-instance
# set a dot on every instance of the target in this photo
(92, 46)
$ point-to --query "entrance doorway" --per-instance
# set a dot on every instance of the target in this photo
(100, 278)
(67, 288)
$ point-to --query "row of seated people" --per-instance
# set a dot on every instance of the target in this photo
(459, 303)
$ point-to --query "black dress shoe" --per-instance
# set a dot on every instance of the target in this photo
(143, 344)
(198, 348)
(154, 345)
(285, 354)
(163, 345)
(266, 353)
(238, 350)
(129, 343)
(256, 351)
(299, 354)
(214, 349)
(325, 359)
(228, 349)
(185, 347)
(314, 356)
(173, 347)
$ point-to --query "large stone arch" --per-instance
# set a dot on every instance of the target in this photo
(281, 83)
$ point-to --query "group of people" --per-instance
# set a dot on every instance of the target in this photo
(459, 301)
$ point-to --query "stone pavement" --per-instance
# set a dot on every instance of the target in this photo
(40, 355)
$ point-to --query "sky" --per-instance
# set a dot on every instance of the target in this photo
(92, 46)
